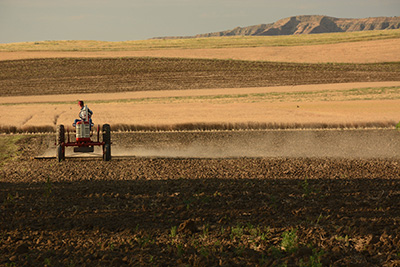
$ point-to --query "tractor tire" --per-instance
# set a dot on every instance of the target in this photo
(106, 134)
(107, 152)
(60, 134)
(60, 153)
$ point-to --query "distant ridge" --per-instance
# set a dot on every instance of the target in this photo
(312, 24)
(308, 24)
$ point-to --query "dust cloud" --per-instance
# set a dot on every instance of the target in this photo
(371, 143)
(378, 143)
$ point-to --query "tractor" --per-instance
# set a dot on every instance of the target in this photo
(83, 142)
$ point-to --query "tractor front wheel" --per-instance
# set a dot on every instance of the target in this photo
(107, 152)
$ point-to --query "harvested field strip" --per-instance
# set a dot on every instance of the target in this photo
(376, 93)
(106, 75)
(203, 43)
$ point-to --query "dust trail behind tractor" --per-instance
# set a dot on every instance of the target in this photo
(333, 143)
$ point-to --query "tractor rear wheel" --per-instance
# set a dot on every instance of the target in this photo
(106, 133)
(107, 152)
(107, 142)
(60, 153)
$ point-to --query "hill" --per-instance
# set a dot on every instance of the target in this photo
(309, 25)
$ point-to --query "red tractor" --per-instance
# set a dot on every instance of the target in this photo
(83, 142)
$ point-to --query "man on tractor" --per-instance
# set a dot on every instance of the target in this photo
(83, 142)
(85, 114)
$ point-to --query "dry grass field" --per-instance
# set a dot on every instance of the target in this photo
(294, 197)
(254, 108)
(352, 47)
(352, 52)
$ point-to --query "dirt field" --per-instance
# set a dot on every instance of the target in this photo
(302, 211)
(109, 75)
(354, 52)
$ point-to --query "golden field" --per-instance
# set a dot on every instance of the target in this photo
(334, 104)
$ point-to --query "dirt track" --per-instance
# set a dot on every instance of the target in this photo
(357, 52)
(237, 211)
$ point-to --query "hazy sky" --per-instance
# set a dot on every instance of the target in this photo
(120, 20)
